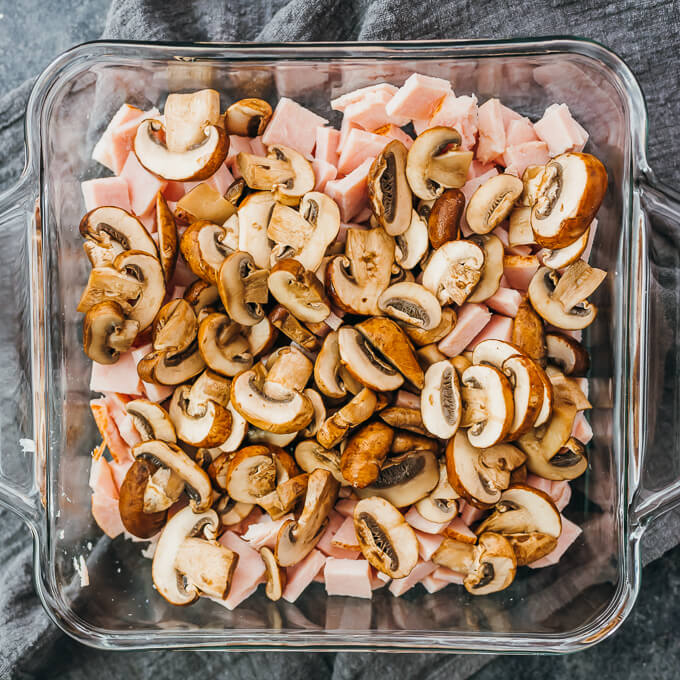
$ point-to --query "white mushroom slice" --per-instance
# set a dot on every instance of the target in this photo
(385, 538)
(405, 418)
(492, 202)
(421, 336)
(519, 227)
(258, 436)
(567, 354)
(310, 456)
(327, 368)
(107, 333)
(364, 363)
(292, 190)
(222, 345)
(388, 190)
(243, 288)
(276, 577)
(204, 249)
(531, 178)
(569, 195)
(253, 218)
(453, 271)
(263, 174)
(108, 284)
(356, 411)
(404, 480)
(167, 367)
(487, 405)
(412, 304)
(563, 257)
(440, 401)
(441, 505)
(250, 474)
(162, 490)
(561, 300)
(261, 336)
(434, 162)
(412, 245)
(239, 428)
(492, 271)
(494, 352)
(197, 163)
(151, 420)
(290, 368)
(232, 512)
(319, 412)
(247, 117)
(187, 114)
(289, 230)
(299, 291)
(174, 327)
(527, 392)
(202, 423)
(296, 539)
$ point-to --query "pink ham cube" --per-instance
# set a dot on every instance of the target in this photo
(258, 146)
(418, 97)
(343, 101)
(459, 113)
(119, 470)
(346, 506)
(103, 149)
(458, 529)
(327, 142)
(348, 577)
(558, 129)
(561, 495)
(122, 139)
(351, 192)
(249, 571)
(505, 301)
(391, 131)
(582, 429)
(518, 158)
(491, 131)
(119, 377)
(156, 393)
(585, 255)
(324, 173)
(428, 544)
(173, 191)
(499, 328)
(107, 514)
(220, 180)
(417, 521)
(570, 532)
(302, 574)
(518, 131)
(519, 270)
(346, 537)
(539, 483)
(471, 320)
(432, 584)
(335, 521)
(469, 515)
(106, 191)
(142, 185)
(370, 113)
(400, 585)
(237, 145)
(448, 575)
(294, 126)
(360, 145)
(101, 478)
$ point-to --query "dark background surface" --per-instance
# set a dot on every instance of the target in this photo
(32, 32)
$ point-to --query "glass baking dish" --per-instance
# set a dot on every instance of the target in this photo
(47, 431)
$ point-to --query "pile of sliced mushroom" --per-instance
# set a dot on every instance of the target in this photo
(308, 367)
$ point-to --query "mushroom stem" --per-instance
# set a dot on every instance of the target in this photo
(206, 564)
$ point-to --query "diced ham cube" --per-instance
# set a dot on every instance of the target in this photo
(417, 521)
(570, 532)
(157, 393)
(539, 483)
(236, 145)
(558, 129)
(360, 145)
(103, 149)
(119, 377)
(142, 185)
(343, 101)
(345, 128)
(346, 537)
(391, 131)
(348, 577)
(264, 531)
(302, 574)
(519, 270)
(469, 188)
(324, 173)
(327, 141)
(459, 113)
(519, 130)
(351, 192)
(107, 514)
(503, 235)
(106, 425)
(428, 544)
(369, 112)
(106, 191)
(585, 255)
(560, 492)
(418, 97)
(346, 506)
(505, 301)
(400, 585)
(499, 328)
(448, 575)
(378, 579)
(477, 169)
(294, 126)
(518, 158)
(491, 131)
(173, 191)
(119, 470)
(258, 146)
(101, 478)
(407, 399)
(335, 521)
(469, 515)
(471, 320)
(249, 571)
(432, 584)
(123, 137)
(509, 115)
(128, 431)
(582, 429)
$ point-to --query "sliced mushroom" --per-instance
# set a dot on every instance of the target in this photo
(440, 401)
(169, 455)
(131, 502)
(167, 237)
(404, 418)
(203, 248)
(199, 422)
(310, 456)
(492, 271)
(253, 218)
(528, 393)
(327, 368)
(106, 283)
(570, 193)
(569, 388)
(291, 191)
(356, 411)
(107, 333)
(187, 114)
(276, 577)
(163, 490)
(365, 453)
(264, 173)
(319, 412)
(296, 539)
(412, 245)
(567, 353)
(405, 441)
(385, 538)
(282, 319)
(194, 164)
(561, 300)
(299, 291)
(443, 222)
(369, 255)
(250, 474)
(323, 214)
(204, 203)
(202, 295)
(424, 337)
(404, 480)
(435, 162)
(528, 332)
(243, 288)
(492, 202)
(494, 352)
(411, 304)
(174, 327)
(487, 405)
(519, 227)
(247, 117)
(233, 512)
(388, 190)
(167, 367)
(290, 369)
(531, 178)
(391, 342)
(258, 436)
(270, 406)
(453, 271)
(563, 257)
(441, 504)
(151, 420)
(261, 337)
(222, 345)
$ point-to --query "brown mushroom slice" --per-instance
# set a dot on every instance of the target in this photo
(167, 237)
(441, 504)
(494, 352)
(388, 190)
(405, 441)
(569, 195)
(355, 281)
(202, 423)
(289, 230)
(519, 227)
(204, 203)
(527, 391)
(386, 540)
(443, 221)
(461, 363)
(166, 454)
(258, 436)
(365, 453)
(233, 512)
(404, 480)
(364, 362)
(282, 319)
(151, 420)
(202, 295)
(290, 368)
(299, 291)
(528, 332)
(250, 475)
(247, 117)
(174, 327)
(162, 490)
(440, 401)
(208, 565)
(412, 304)
(531, 178)
(323, 214)
(222, 346)
(276, 577)
(567, 354)
(253, 217)
(106, 283)
(412, 245)
(243, 288)
(187, 114)
(107, 333)
(404, 418)
(327, 368)
(131, 502)
(569, 389)
(356, 411)
(310, 456)
(320, 413)
(435, 163)
(453, 271)
(296, 539)
(291, 191)
(492, 270)
(487, 405)
(261, 337)
(203, 248)
(422, 337)
(167, 367)
(391, 341)
(270, 406)
(561, 300)
(563, 257)
(492, 202)
(194, 164)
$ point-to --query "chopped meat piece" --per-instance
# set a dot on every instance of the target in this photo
(558, 129)
(499, 328)
(418, 97)
(472, 318)
(106, 191)
(294, 126)
(348, 577)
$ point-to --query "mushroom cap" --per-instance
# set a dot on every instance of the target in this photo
(151, 420)
(243, 288)
(202, 295)
(388, 190)
(131, 502)
(247, 117)
(405, 441)
(167, 237)
(453, 271)
(492, 271)
(365, 453)
(222, 345)
(528, 332)
(299, 291)
(310, 456)
(276, 577)
(411, 245)
(567, 353)
(494, 567)
(422, 337)
(492, 202)
(440, 401)
(441, 504)
(197, 163)
(327, 368)
(443, 221)
(261, 336)
(253, 217)
(186, 114)
(405, 479)
(412, 304)
(356, 411)
(203, 247)
(291, 191)
(559, 258)
(527, 391)
(107, 333)
(199, 422)
(174, 327)
(251, 474)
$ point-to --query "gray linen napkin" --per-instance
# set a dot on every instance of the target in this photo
(30, 645)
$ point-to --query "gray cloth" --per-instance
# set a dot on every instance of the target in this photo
(30, 643)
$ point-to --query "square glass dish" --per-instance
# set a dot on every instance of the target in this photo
(48, 433)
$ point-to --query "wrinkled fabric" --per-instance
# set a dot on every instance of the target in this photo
(31, 645)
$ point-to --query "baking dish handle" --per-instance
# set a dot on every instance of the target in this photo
(655, 351)
(20, 490)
